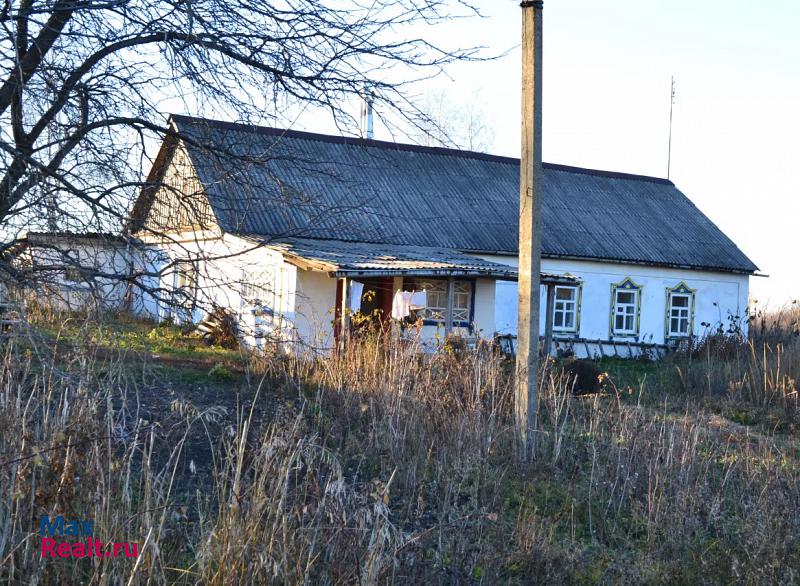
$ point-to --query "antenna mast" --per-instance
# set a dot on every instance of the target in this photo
(671, 104)
(367, 125)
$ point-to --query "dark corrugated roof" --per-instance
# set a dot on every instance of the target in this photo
(280, 182)
(105, 237)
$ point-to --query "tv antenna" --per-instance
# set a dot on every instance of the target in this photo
(671, 104)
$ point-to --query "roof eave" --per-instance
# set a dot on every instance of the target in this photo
(546, 278)
(442, 272)
(741, 271)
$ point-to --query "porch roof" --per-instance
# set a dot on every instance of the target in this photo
(359, 259)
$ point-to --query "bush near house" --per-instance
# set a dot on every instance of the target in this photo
(380, 465)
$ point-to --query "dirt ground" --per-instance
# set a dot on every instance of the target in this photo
(191, 409)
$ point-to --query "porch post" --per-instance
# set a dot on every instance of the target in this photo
(449, 317)
(344, 325)
(548, 320)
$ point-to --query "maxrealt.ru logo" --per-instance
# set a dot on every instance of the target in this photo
(80, 541)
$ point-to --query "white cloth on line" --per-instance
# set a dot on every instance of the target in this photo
(419, 300)
(401, 304)
(405, 302)
(356, 291)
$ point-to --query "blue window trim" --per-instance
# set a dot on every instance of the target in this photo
(456, 324)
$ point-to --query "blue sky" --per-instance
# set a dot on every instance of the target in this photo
(606, 105)
(607, 68)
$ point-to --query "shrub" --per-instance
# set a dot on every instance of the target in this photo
(220, 372)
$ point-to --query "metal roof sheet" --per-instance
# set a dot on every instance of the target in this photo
(277, 183)
(355, 259)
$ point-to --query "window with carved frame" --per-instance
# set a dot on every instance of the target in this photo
(435, 310)
(626, 304)
(680, 311)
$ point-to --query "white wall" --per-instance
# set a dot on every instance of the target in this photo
(307, 298)
(718, 296)
(314, 309)
(58, 254)
(223, 263)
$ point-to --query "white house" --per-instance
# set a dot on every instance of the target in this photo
(283, 225)
(75, 271)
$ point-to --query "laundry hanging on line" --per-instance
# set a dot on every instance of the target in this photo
(419, 299)
(356, 291)
(405, 302)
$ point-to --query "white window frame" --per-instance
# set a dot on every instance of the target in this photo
(680, 313)
(186, 278)
(559, 307)
(75, 273)
(462, 301)
(77, 276)
(616, 312)
(185, 289)
(684, 314)
(258, 288)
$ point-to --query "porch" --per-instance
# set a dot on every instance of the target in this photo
(459, 288)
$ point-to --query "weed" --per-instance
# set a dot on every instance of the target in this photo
(387, 464)
(220, 372)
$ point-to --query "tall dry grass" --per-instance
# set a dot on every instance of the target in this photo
(388, 465)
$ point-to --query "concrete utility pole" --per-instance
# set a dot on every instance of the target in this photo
(530, 233)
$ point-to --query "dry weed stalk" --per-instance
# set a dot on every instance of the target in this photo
(385, 464)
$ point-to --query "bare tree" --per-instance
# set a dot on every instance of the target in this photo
(454, 123)
(86, 83)
(87, 86)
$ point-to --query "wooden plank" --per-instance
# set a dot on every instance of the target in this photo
(548, 320)
(344, 329)
(448, 329)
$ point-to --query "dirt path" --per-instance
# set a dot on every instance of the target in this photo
(188, 408)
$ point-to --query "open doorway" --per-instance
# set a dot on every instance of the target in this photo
(376, 299)
(374, 304)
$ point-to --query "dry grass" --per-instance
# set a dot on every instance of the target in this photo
(388, 466)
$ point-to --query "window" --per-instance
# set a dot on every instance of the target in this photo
(263, 290)
(186, 278)
(462, 295)
(565, 309)
(680, 311)
(625, 307)
(436, 294)
(257, 288)
(625, 312)
(76, 275)
(76, 270)
(185, 290)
